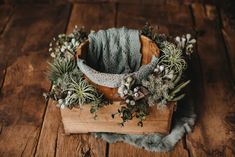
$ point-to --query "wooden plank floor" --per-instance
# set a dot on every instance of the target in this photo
(29, 126)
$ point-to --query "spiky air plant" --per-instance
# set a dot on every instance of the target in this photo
(172, 57)
(69, 85)
(80, 92)
(58, 68)
(163, 86)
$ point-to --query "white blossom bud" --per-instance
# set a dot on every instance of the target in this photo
(136, 89)
(132, 102)
(136, 94)
(62, 49)
(177, 39)
(161, 68)
(156, 70)
(192, 41)
(188, 36)
(69, 92)
(62, 106)
(183, 41)
(129, 79)
(53, 55)
(73, 41)
(125, 92)
(60, 101)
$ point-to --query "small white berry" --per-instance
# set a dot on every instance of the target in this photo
(60, 101)
(136, 94)
(127, 101)
(136, 89)
(132, 102)
(156, 70)
(73, 41)
(62, 106)
(53, 55)
(62, 49)
(188, 36)
(129, 79)
(125, 92)
(161, 68)
(177, 39)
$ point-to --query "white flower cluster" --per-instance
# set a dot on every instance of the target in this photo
(186, 43)
(127, 92)
(169, 74)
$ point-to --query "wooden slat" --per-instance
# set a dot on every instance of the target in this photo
(123, 149)
(81, 121)
(214, 132)
(228, 31)
(24, 46)
(93, 16)
(164, 15)
(140, 2)
(171, 21)
(90, 16)
(5, 14)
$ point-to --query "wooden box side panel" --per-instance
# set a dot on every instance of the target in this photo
(82, 121)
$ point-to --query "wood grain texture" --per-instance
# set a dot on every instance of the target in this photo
(82, 121)
(5, 15)
(174, 18)
(84, 145)
(21, 104)
(214, 132)
(92, 16)
(228, 31)
(52, 130)
(123, 149)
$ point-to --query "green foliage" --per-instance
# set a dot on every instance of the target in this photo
(172, 57)
(71, 89)
(58, 68)
(69, 85)
(81, 92)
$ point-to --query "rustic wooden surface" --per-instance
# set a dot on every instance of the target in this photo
(81, 121)
(29, 126)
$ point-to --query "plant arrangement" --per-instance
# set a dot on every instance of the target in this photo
(71, 89)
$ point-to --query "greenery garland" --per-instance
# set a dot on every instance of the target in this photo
(71, 89)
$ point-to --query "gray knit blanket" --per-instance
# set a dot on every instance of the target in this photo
(115, 53)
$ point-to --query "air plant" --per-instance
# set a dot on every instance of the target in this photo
(69, 85)
(172, 57)
(162, 85)
(80, 92)
(58, 68)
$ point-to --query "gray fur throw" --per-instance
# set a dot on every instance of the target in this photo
(183, 121)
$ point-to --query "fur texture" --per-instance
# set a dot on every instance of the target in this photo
(184, 120)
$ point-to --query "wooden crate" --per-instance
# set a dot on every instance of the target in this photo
(82, 121)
